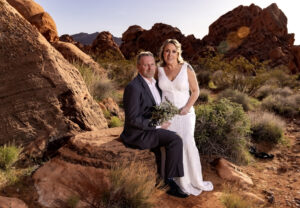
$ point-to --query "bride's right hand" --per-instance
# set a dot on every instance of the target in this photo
(165, 125)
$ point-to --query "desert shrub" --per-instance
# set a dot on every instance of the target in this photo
(221, 129)
(221, 79)
(203, 77)
(103, 89)
(115, 122)
(9, 154)
(132, 185)
(266, 127)
(285, 106)
(233, 200)
(120, 71)
(286, 91)
(280, 77)
(98, 86)
(204, 95)
(237, 97)
(264, 91)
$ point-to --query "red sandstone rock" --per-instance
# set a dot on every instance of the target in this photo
(230, 172)
(36, 15)
(104, 47)
(253, 33)
(6, 202)
(296, 53)
(85, 160)
(73, 53)
(136, 39)
(110, 105)
(43, 97)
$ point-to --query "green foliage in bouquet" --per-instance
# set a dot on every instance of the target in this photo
(164, 112)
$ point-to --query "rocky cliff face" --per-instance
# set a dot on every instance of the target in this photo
(253, 32)
(43, 97)
(136, 39)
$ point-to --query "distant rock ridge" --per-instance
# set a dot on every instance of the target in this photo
(87, 39)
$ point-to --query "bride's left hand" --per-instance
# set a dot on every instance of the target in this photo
(184, 110)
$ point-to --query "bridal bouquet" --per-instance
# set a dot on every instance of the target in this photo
(163, 112)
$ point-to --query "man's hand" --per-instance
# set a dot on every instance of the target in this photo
(165, 125)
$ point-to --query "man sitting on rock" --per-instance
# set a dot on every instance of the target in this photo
(140, 95)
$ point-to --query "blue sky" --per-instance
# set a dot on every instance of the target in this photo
(190, 16)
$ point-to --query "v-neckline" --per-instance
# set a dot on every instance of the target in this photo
(175, 76)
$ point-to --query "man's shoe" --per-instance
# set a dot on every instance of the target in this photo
(175, 190)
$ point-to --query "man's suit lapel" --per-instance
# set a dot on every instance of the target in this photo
(147, 89)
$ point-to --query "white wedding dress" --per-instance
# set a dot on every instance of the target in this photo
(177, 91)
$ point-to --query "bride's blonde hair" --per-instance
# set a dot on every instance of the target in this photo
(178, 49)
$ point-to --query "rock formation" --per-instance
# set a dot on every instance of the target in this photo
(86, 160)
(7, 202)
(43, 97)
(136, 39)
(69, 39)
(73, 54)
(104, 47)
(230, 172)
(253, 33)
(36, 15)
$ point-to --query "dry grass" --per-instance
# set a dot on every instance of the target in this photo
(132, 185)
(98, 86)
(233, 200)
(127, 185)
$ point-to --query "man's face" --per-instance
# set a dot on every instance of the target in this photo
(147, 67)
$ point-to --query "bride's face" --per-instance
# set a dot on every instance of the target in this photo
(170, 54)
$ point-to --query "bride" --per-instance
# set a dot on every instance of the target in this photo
(178, 83)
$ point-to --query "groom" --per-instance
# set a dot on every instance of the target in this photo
(140, 95)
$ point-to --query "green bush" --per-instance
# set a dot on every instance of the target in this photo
(115, 122)
(237, 97)
(285, 106)
(266, 127)
(9, 154)
(221, 130)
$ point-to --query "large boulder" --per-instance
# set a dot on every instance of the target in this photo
(136, 39)
(43, 97)
(104, 47)
(230, 172)
(244, 30)
(7, 202)
(73, 54)
(36, 15)
(86, 159)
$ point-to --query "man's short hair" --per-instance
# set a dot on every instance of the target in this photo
(142, 54)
